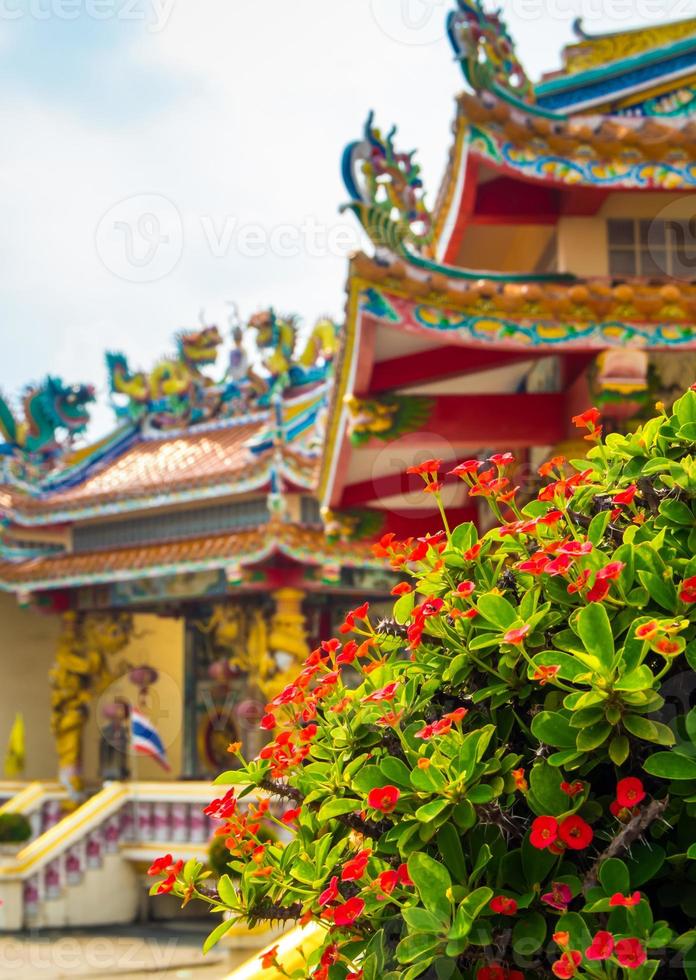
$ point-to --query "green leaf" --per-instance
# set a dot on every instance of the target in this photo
(420, 920)
(545, 796)
(431, 810)
(369, 777)
(594, 629)
(598, 526)
(619, 748)
(227, 892)
(476, 902)
(529, 934)
(396, 771)
(593, 736)
(677, 512)
(403, 607)
(644, 862)
(573, 923)
(552, 728)
(670, 765)
(660, 589)
(217, 934)
(649, 731)
(614, 877)
(497, 610)
(417, 947)
(433, 883)
(335, 808)
(464, 536)
(450, 846)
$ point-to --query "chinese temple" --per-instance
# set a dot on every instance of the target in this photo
(554, 270)
(188, 560)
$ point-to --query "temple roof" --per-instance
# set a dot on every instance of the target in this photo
(306, 545)
(645, 71)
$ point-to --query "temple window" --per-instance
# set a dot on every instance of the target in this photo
(652, 247)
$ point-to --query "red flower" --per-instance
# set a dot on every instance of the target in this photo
(575, 833)
(544, 674)
(497, 971)
(520, 781)
(426, 467)
(668, 648)
(403, 588)
(647, 631)
(473, 552)
(387, 693)
(268, 722)
(383, 798)
(501, 459)
(602, 946)
(503, 906)
(626, 496)
(624, 901)
(466, 468)
(576, 548)
(346, 914)
(544, 832)
(516, 636)
(269, 957)
(386, 882)
(404, 877)
(433, 487)
(568, 964)
(588, 418)
(547, 468)
(572, 789)
(330, 893)
(355, 868)
(160, 865)
(610, 571)
(687, 591)
(465, 588)
(290, 816)
(559, 897)
(630, 953)
(598, 591)
(629, 792)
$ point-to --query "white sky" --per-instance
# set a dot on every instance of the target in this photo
(225, 119)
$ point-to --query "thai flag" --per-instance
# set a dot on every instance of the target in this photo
(145, 739)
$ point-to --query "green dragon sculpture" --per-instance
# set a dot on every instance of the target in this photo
(276, 338)
(173, 386)
(50, 408)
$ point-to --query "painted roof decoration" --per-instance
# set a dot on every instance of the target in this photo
(386, 190)
(486, 51)
(646, 72)
(180, 390)
(52, 415)
(231, 553)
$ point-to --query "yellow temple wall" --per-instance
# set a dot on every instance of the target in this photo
(158, 642)
(28, 641)
(582, 242)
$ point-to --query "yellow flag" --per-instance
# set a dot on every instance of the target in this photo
(14, 760)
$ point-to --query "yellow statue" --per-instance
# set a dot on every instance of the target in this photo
(80, 671)
(268, 655)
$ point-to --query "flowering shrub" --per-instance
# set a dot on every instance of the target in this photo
(499, 781)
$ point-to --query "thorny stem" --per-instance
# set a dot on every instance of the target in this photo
(625, 838)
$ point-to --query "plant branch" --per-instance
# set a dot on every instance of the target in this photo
(634, 829)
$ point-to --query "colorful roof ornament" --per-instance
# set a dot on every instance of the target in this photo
(180, 391)
(486, 51)
(387, 192)
(54, 413)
